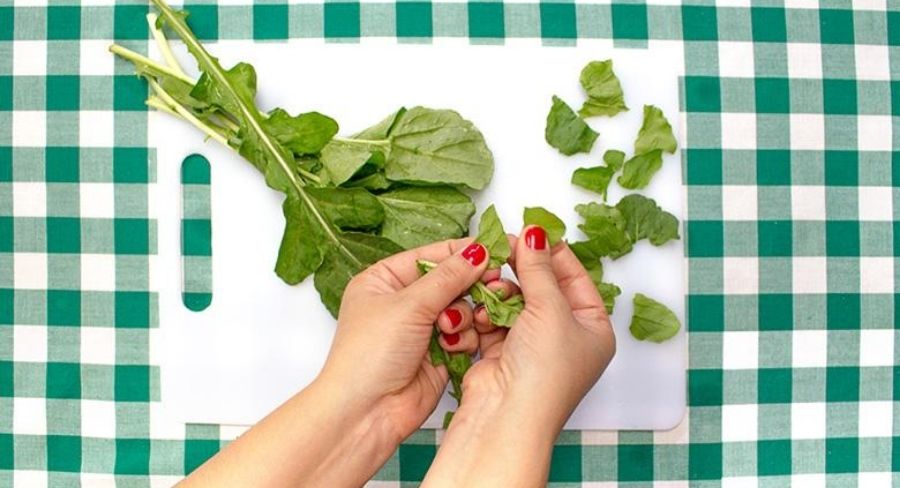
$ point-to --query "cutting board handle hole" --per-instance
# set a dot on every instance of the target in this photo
(196, 233)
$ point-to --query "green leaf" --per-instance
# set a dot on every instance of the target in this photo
(438, 147)
(435, 352)
(604, 92)
(614, 159)
(589, 259)
(375, 181)
(645, 219)
(415, 216)
(609, 292)
(349, 208)
(341, 160)
(301, 252)
(655, 133)
(605, 228)
(493, 237)
(502, 312)
(239, 81)
(566, 131)
(338, 269)
(383, 128)
(554, 226)
(639, 170)
(652, 321)
(306, 133)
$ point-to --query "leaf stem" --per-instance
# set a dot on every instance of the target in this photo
(140, 59)
(367, 142)
(186, 114)
(163, 45)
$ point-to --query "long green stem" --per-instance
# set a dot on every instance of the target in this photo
(367, 142)
(163, 44)
(186, 114)
(139, 59)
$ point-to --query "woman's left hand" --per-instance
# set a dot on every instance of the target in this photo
(387, 317)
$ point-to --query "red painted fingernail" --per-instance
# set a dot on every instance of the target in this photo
(474, 254)
(451, 339)
(455, 316)
(536, 238)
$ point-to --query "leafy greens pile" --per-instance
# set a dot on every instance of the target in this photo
(613, 230)
(349, 201)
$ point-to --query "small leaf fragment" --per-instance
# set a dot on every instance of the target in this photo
(652, 321)
(542, 217)
(655, 133)
(566, 131)
(609, 292)
(644, 219)
(639, 170)
(492, 235)
(306, 133)
(604, 91)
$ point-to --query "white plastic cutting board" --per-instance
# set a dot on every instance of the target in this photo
(261, 340)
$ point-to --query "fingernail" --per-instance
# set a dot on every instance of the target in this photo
(451, 339)
(455, 316)
(536, 238)
(474, 254)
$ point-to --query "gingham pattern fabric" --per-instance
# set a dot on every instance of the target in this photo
(790, 108)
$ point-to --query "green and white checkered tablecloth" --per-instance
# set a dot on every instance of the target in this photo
(790, 108)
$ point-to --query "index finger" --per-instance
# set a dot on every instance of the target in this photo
(400, 269)
(574, 282)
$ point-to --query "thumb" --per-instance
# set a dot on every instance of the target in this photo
(450, 279)
(533, 266)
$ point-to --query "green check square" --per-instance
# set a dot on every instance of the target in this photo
(772, 95)
(842, 455)
(63, 22)
(132, 456)
(7, 20)
(6, 379)
(132, 236)
(774, 385)
(341, 19)
(204, 21)
(769, 24)
(702, 94)
(64, 307)
(132, 383)
(558, 21)
(129, 92)
(773, 167)
(773, 457)
(197, 451)
(842, 238)
(704, 387)
(843, 311)
(63, 380)
(6, 452)
(415, 459)
(196, 237)
(893, 24)
(776, 311)
(270, 21)
(129, 22)
(635, 462)
(705, 238)
(839, 96)
(629, 21)
(62, 164)
(842, 384)
(132, 309)
(486, 20)
(6, 93)
(7, 298)
(841, 168)
(775, 237)
(6, 168)
(836, 26)
(414, 19)
(704, 166)
(699, 23)
(130, 165)
(63, 235)
(706, 313)
(705, 461)
(63, 93)
(6, 234)
(64, 453)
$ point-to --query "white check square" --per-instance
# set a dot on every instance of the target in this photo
(740, 350)
(876, 480)
(872, 62)
(876, 275)
(739, 202)
(95, 58)
(807, 202)
(98, 272)
(736, 59)
(98, 345)
(29, 199)
(876, 203)
(29, 416)
(810, 274)
(29, 58)
(876, 419)
(96, 128)
(30, 343)
(98, 419)
(31, 479)
(162, 425)
(810, 348)
(876, 347)
(807, 131)
(97, 200)
(29, 128)
(807, 421)
(739, 423)
(30, 270)
(741, 276)
(804, 60)
(874, 132)
(738, 131)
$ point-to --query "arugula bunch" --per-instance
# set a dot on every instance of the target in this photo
(349, 201)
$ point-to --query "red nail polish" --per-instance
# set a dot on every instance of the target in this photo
(536, 238)
(451, 339)
(455, 316)
(474, 254)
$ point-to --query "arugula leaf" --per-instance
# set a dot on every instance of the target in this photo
(342, 160)
(589, 259)
(383, 128)
(609, 292)
(436, 353)
(502, 312)
(567, 132)
(415, 216)
(655, 133)
(597, 179)
(438, 146)
(374, 182)
(652, 320)
(348, 208)
(604, 92)
(301, 252)
(493, 237)
(639, 170)
(229, 90)
(554, 226)
(605, 228)
(645, 219)
(305, 133)
(338, 269)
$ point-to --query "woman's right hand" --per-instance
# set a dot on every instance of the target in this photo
(531, 376)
